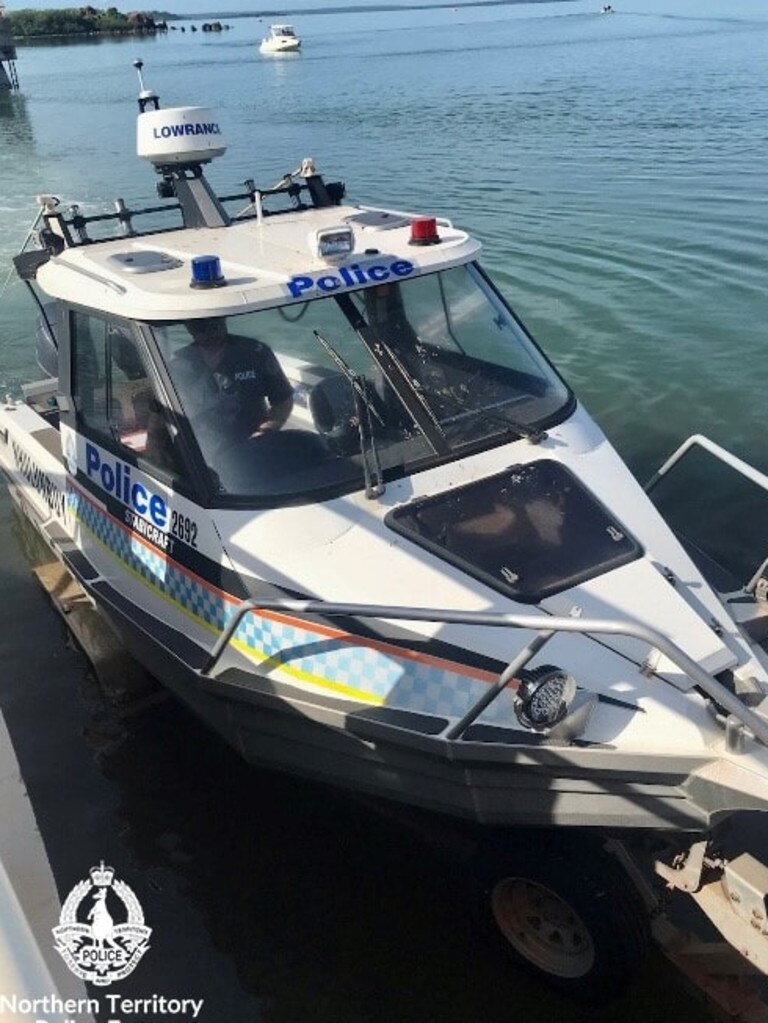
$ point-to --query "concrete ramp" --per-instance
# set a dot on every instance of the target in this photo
(29, 902)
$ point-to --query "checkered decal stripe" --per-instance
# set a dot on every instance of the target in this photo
(349, 665)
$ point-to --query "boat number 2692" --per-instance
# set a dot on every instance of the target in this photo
(183, 527)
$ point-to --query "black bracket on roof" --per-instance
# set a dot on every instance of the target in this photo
(28, 263)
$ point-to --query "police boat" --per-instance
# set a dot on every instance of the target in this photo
(327, 488)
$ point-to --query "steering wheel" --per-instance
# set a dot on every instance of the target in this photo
(269, 460)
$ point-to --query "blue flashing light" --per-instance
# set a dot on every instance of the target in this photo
(206, 272)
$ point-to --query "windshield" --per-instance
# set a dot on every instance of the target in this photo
(303, 401)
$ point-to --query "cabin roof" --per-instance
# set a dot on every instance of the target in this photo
(264, 264)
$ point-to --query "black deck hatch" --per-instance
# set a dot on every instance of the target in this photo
(530, 532)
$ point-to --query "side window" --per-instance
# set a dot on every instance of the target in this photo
(114, 395)
(89, 374)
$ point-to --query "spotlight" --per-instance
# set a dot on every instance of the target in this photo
(544, 696)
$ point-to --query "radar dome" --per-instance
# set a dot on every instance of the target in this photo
(179, 135)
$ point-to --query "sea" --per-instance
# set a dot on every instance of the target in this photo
(615, 168)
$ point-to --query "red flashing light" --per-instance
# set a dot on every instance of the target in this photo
(424, 231)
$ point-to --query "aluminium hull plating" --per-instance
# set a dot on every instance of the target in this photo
(493, 775)
(397, 755)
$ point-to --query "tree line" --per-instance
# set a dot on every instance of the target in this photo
(73, 21)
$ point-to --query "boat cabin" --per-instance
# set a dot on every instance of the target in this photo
(376, 335)
(383, 381)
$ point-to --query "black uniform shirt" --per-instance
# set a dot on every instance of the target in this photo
(226, 403)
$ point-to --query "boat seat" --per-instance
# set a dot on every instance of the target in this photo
(332, 407)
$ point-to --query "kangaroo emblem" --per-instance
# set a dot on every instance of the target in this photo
(97, 948)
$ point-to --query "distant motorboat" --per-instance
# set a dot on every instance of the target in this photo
(606, 9)
(281, 39)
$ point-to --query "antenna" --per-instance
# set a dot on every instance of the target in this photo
(139, 64)
(147, 97)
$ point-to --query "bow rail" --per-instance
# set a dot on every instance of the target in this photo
(545, 627)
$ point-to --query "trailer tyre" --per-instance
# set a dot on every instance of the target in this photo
(573, 920)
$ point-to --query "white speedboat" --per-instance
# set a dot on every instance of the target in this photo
(281, 39)
(330, 491)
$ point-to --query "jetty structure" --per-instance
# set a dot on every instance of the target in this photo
(9, 79)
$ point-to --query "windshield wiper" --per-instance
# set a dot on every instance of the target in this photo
(397, 377)
(532, 434)
(365, 412)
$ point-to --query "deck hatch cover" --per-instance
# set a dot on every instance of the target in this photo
(379, 220)
(145, 261)
(529, 532)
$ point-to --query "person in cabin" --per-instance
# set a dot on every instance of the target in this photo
(231, 388)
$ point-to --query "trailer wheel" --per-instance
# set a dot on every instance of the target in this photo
(572, 919)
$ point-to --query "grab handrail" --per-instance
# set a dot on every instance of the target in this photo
(727, 458)
(545, 625)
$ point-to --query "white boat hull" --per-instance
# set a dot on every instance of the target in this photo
(280, 709)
